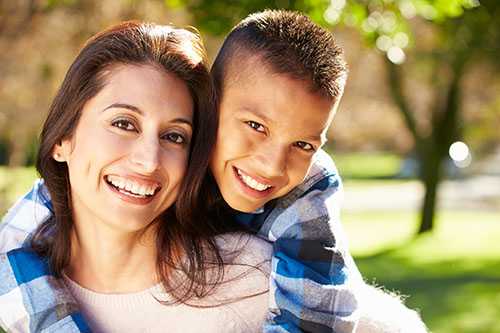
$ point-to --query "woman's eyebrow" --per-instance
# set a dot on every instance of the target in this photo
(124, 106)
(135, 109)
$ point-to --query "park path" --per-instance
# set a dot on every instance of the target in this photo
(478, 192)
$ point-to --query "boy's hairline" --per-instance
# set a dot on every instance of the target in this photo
(258, 57)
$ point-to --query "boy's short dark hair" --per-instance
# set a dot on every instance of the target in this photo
(289, 43)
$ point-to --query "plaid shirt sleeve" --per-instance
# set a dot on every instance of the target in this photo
(33, 300)
(24, 217)
(314, 280)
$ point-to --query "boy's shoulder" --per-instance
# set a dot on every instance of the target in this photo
(313, 205)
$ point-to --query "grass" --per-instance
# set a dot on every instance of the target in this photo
(366, 165)
(452, 274)
(14, 182)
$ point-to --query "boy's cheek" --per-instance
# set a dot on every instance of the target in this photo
(298, 171)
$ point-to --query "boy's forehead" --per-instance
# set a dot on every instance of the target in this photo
(245, 71)
(243, 68)
(251, 85)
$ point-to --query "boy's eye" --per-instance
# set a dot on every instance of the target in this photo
(175, 138)
(305, 146)
(256, 126)
(124, 124)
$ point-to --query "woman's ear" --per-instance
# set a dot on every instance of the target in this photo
(61, 151)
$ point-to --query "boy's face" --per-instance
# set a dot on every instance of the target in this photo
(270, 126)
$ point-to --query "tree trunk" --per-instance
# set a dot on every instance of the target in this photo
(431, 175)
(434, 150)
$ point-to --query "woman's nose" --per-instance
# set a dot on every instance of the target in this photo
(145, 156)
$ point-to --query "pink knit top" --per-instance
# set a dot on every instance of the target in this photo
(141, 312)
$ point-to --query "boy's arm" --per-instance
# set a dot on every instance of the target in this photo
(24, 217)
(314, 281)
(27, 290)
(383, 312)
(32, 299)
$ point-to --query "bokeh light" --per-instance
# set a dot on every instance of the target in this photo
(396, 55)
(460, 154)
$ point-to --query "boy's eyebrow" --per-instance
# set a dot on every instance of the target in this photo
(258, 114)
(316, 137)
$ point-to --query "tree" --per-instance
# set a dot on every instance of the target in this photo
(463, 32)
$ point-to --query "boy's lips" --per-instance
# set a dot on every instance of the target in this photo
(253, 186)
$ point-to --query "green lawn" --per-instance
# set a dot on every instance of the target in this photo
(366, 165)
(451, 275)
(13, 183)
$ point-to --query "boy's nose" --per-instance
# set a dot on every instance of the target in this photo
(273, 159)
(145, 156)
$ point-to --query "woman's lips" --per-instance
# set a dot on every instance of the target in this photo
(131, 191)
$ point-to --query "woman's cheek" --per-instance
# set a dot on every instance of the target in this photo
(179, 159)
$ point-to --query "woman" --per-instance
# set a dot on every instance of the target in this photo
(123, 154)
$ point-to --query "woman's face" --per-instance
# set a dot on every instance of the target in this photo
(129, 152)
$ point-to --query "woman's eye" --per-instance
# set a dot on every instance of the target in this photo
(305, 146)
(175, 138)
(124, 125)
(256, 126)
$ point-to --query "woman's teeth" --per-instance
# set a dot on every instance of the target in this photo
(131, 186)
(252, 183)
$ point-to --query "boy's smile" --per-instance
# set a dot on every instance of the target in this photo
(270, 126)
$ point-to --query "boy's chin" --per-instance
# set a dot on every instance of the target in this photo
(244, 206)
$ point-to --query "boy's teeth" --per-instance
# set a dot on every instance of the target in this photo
(252, 183)
(131, 186)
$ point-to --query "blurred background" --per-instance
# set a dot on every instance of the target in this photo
(416, 137)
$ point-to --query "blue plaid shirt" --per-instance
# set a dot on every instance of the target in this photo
(313, 281)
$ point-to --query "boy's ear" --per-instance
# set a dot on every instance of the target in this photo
(61, 151)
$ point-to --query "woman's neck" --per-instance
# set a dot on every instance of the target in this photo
(108, 261)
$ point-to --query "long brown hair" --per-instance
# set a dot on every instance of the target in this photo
(174, 50)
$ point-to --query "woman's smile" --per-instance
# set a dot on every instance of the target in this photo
(133, 190)
(129, 153)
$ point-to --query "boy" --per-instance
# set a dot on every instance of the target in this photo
(279, 78)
